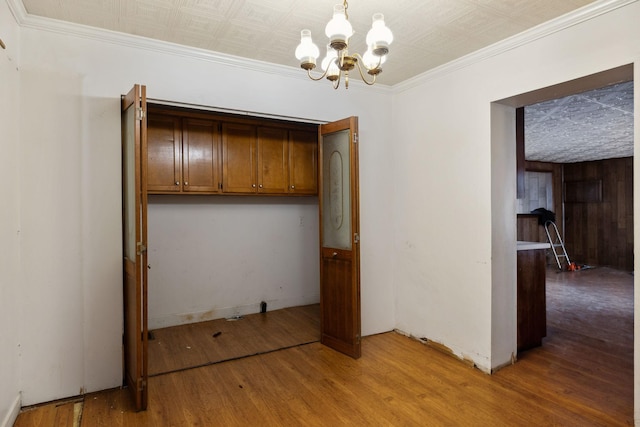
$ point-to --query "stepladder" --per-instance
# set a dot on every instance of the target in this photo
(557, 245)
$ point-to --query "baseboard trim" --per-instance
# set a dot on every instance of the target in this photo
(226, 312)
(12, 414)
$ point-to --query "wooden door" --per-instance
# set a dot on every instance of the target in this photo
(303, 162)
(134, 204)
(273, 161)
(201, 158)
(339, 237)
(164, 157)
(239, 158)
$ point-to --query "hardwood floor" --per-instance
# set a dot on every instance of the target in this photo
(199, 344)
(581, 376)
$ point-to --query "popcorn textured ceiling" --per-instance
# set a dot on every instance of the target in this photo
(427, 34)
(593, 125)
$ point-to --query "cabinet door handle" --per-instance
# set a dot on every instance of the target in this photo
(293, 187)
(177, 182)
(186, 183)
(260, 186)
(253, 186)
(335, 254)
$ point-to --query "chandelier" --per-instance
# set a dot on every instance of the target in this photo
(338, 61)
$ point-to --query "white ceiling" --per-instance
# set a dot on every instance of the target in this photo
(427, 33)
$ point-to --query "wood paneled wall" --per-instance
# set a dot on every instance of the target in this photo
(599, 212)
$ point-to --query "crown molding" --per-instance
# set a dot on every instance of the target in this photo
(26, 20)
(578, 16)
(545, 29)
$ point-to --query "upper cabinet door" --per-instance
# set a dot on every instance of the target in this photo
(340, 237)
(238, 158)
(303, 162)
(272, 160)
(201, 156)
(164, 154)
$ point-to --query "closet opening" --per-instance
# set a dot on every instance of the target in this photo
(233, 236)
(250, 221)
(215, 263)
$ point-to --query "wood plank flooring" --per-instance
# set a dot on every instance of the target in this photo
(581, 376)
(199, 344)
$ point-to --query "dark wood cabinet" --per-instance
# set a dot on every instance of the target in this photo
(238, 158)
(273, 164)
(164, 154)
(303, 162)
(200, 156)
(203, 153)
(182, 155)
(531, 297)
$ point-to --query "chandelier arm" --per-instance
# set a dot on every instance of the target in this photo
(317, 78)
(336, 82)
(361, 60)
(364, 79)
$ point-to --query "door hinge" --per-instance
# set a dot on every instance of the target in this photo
(356, 238)
(142, 384)
(355, 137)
(141, 248)
(140, 113)
(358, 338)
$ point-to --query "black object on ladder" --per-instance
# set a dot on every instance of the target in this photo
(556, 242)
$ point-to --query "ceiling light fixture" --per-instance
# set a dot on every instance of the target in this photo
(338, 59)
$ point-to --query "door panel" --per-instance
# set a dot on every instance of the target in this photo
(339, 237)
(200, 154)
(163, 154)
(238, 161)
(303, 162)
(273, 165)
(134, 189)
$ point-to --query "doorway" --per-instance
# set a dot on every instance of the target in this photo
(504, 195)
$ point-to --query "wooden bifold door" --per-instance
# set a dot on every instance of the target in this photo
(134, 242)
(339, 223)
(340, 237)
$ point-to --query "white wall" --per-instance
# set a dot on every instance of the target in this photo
(428, 176)
(9, 219)
(213, 257)
(70, 167)
(451, 230)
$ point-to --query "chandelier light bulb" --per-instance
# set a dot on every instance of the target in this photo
(329, 59)
(339, 29)
(307, 52)
(379, 36)
(373, 61)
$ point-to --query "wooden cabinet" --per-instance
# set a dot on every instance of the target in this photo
(273, 162)
(531, 297)
(303, 162)
(254, 159)
(164, 147)
(183, 155)
(267, 160)
(189, 153)
(238, 158)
